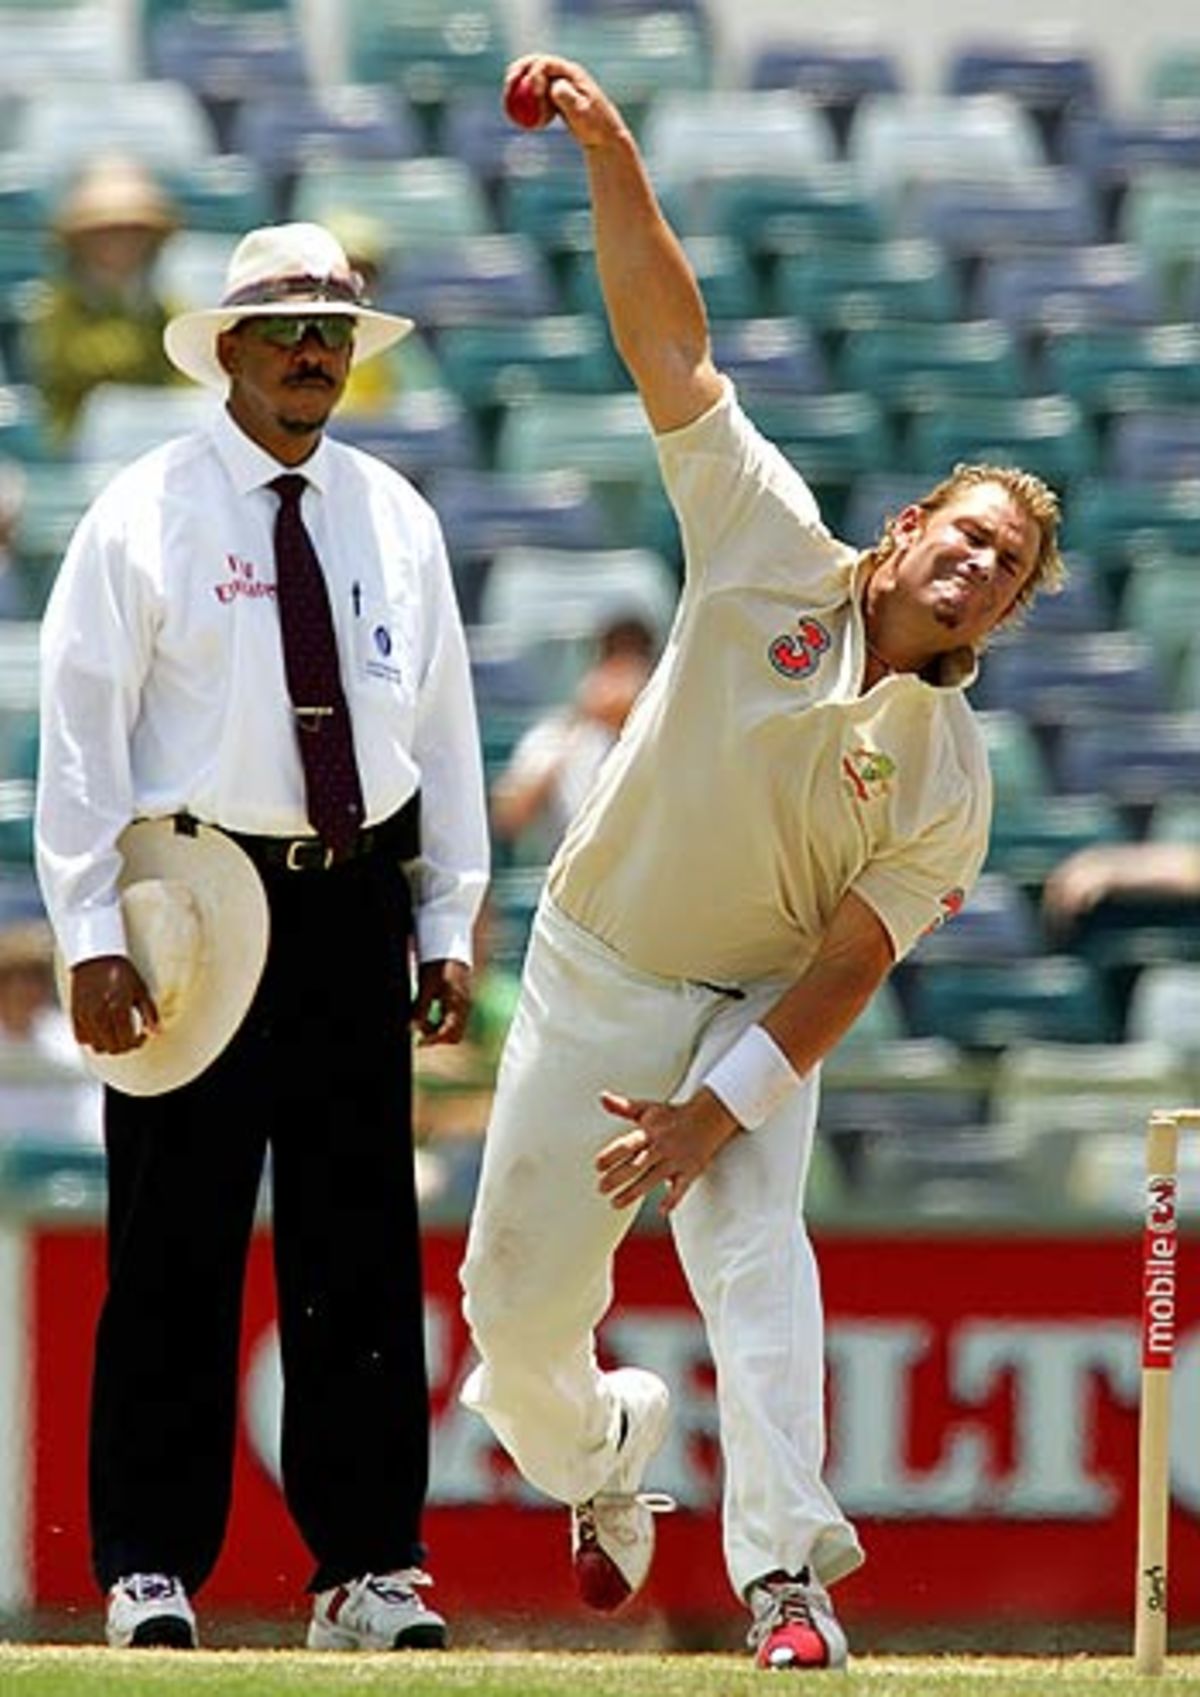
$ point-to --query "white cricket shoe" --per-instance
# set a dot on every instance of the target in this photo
(149, 1611)
(794, 1623)
(380, 1611)
(612, 1534)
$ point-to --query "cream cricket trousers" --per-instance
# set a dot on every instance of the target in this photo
(537, 1276)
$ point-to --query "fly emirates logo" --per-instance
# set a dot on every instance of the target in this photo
(243, 580)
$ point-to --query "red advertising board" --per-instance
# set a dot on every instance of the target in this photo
(983, 1433)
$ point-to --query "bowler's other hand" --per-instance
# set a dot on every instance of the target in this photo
(111, 1009)
(443, 1001)
(671, 1144)
(564, 87)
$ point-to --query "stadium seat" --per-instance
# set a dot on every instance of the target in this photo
(1049, 81)
(1071, 287)
(833, 76)
(770, 356)
(427, 431)
(565, 591)
(465, 281)
(772, 213)
(727, 279)
(225, 193)
(192, 266)
(832, 439)
(48, 44)
(1057, 998)
(639, 59)
(845, 286)
(1048, 680)
(119, 421)
(418, 201)
(1048, 206)
(876, 497)
(1138, 761)
(482, 512)
(1154, 444)
(899, 140)
(227, 58)
(606, 438)
(1111, 523)
(1172, 76)
(1113, 367)
(1080, 607)
(160, 122)
(1020, 776)
(1028, 842)
(1112, 150)
(1160, 217)
(1164, 1006)
(908, 365)
(497, 363)
(1054, 1097)
(281, 131)
(428, 51)
(1047, 434)
(548, 603)
(690, 137)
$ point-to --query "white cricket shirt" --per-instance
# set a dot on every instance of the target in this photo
(753, 785)
(163, 685)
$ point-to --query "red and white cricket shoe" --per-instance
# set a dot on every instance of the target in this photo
(794, 1624)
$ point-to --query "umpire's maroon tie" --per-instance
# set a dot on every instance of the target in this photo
(325, 735)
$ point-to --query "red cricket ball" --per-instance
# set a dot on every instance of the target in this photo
(524, 104)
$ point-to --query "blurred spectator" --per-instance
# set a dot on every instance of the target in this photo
(375, 385)
(554, 763)
(1134, 871)
(45, 1090)
(16, 601)
(101, 319)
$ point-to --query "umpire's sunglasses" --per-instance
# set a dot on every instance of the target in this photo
(335, 330)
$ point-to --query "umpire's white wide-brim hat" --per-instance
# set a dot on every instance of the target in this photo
(196, 928)
(283, 269)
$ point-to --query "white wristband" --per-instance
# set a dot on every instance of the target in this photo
(753, 1077)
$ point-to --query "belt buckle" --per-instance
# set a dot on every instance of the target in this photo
(308, 854)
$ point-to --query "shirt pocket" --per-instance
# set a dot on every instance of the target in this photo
(385, 645)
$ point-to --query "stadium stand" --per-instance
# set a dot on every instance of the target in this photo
(1006, 265)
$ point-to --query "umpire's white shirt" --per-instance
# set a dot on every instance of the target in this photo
(754, 784)
(163, 685)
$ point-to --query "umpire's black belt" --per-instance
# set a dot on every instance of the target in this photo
(398, 837)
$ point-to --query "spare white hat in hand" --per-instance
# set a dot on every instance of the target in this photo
(196, 928)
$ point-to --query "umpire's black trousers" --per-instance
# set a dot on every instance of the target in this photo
(319, 1074)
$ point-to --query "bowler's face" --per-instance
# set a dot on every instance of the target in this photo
(967, 562)
(282, 397)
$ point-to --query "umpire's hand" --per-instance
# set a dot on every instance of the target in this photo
(443, 1001)
(111, 1009)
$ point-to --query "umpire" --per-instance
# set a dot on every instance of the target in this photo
(254, 629)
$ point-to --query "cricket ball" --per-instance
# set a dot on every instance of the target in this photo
(525, 106)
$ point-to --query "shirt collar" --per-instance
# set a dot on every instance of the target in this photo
(251, 467)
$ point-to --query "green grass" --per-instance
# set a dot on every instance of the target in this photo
(26, 1671)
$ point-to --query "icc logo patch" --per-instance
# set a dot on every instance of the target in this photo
(796, 653)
